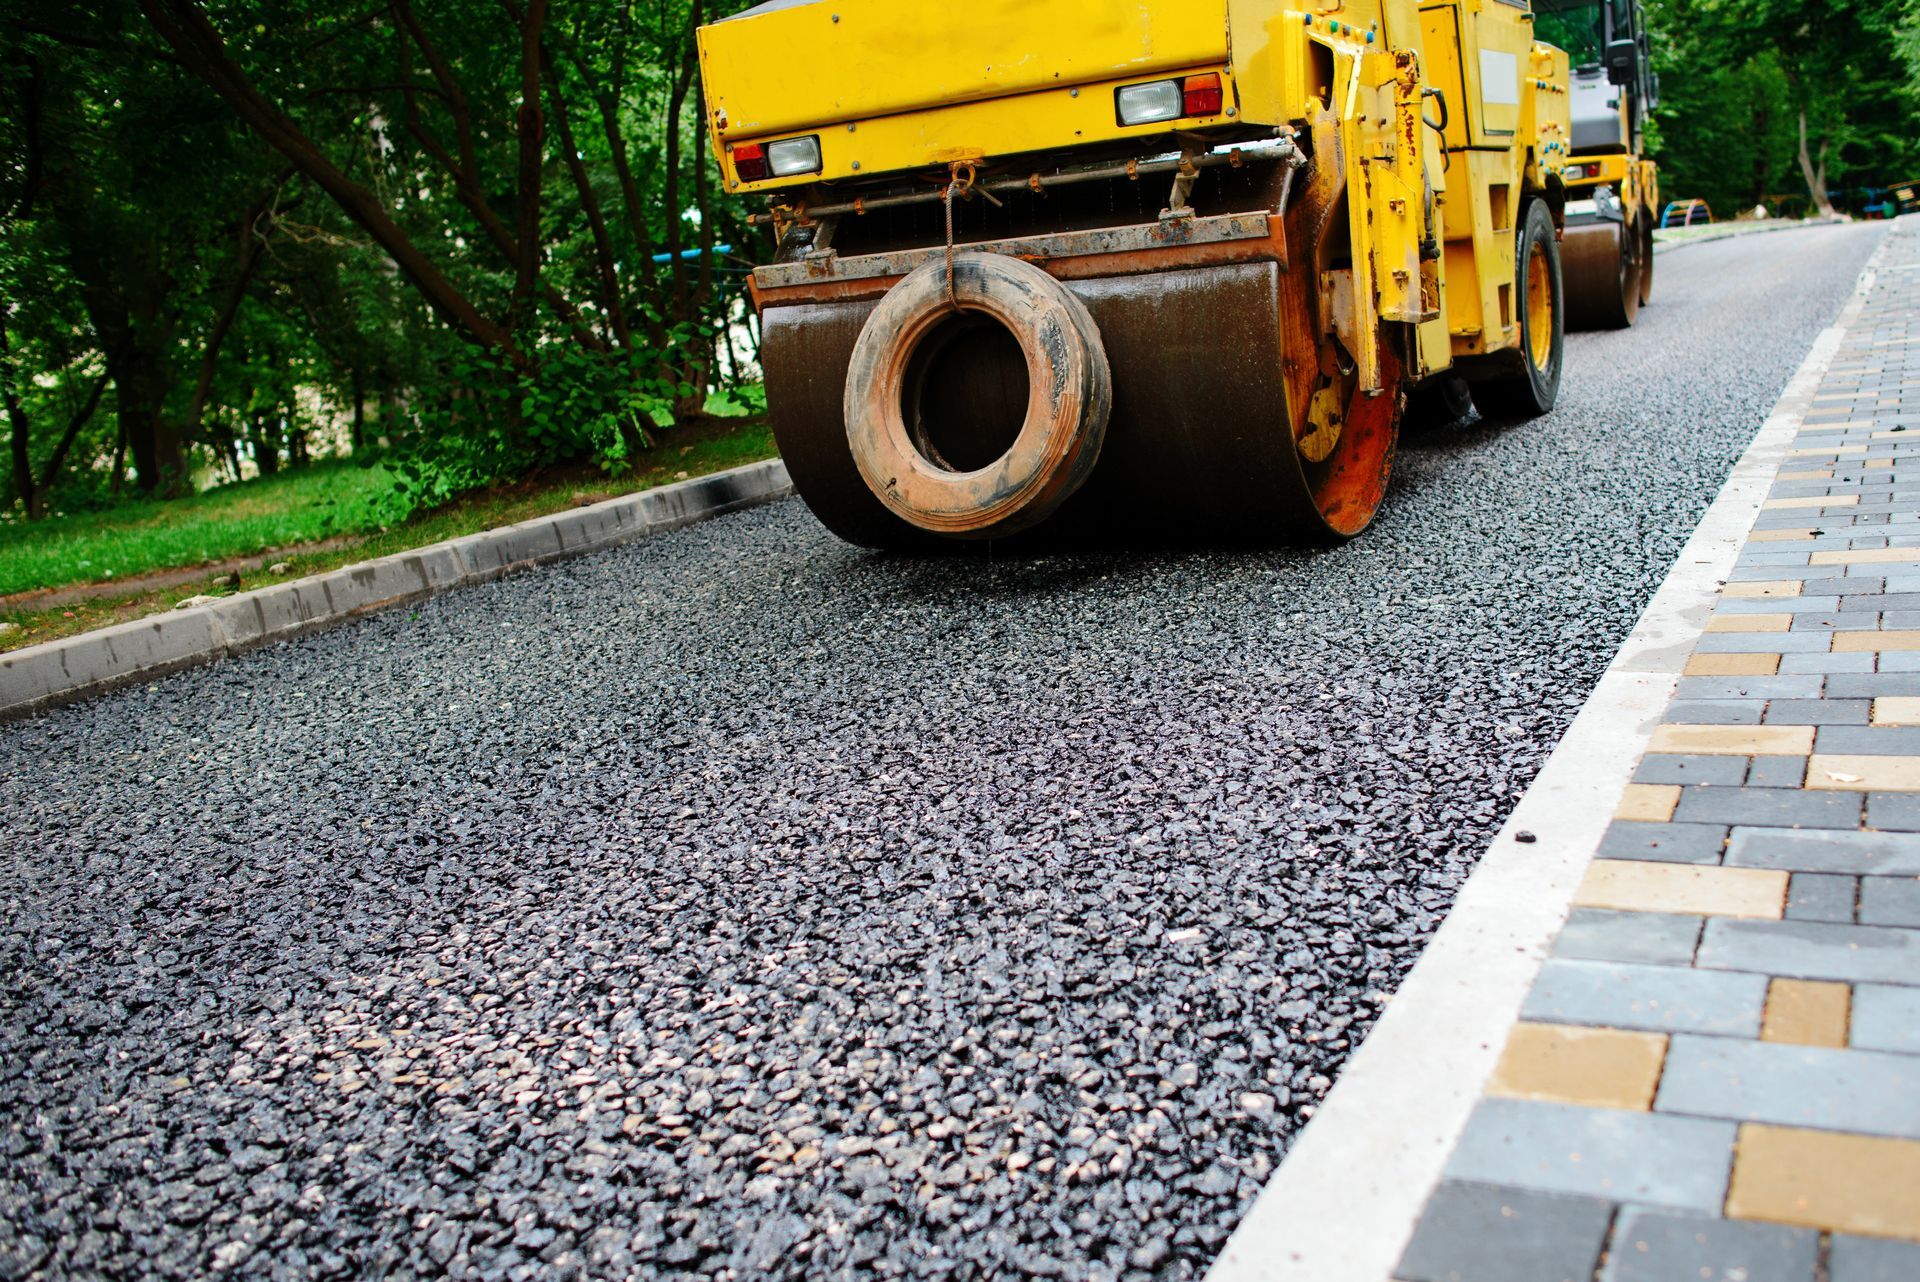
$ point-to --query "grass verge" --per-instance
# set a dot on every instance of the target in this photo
(198, 527)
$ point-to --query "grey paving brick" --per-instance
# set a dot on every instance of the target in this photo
(1715, 712)
(1763, 643)
(1777, 604)
(1894, 811)
(1835, 621)
(1660, 999)
(1769, 807)
(1819, 896)
(1899, 662)
(1872, 1259)
(1825, 664)
(1491, 1233)
(1811, 950)
(1883, 853)
(1600, 934)
(1820, 712)
(1885, 1017)
(1802, 687)
(1896, 620)
(1890, 901)
(1765, 573)
(1849, 686)
(1777, 772)
(1667, 843)
(1869, 741)
(1881, 601)
(1666, 767)
(1598, 1152)
(1870, 1092)
(1841, 586)
(1660, 1246)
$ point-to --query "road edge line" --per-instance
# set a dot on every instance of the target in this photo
(1343, 1203)
(37, 678)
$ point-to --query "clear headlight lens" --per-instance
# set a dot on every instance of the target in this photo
(1145, 104)
(794, 156)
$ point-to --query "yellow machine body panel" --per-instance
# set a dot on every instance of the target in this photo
(783, 70)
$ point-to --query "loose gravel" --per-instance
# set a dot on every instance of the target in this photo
(743, 905)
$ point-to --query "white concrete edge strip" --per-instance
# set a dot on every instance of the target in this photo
(1343, 1204)
(55, 672)
(1740, 229)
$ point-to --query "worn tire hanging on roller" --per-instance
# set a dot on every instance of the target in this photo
(893, 428)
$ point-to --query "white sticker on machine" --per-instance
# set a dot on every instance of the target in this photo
(1499, 77)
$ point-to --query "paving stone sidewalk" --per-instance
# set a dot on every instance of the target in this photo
(1717, 1073)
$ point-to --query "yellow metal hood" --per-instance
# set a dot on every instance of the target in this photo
(796, 64)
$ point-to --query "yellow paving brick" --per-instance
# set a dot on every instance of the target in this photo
(1842, 773)
(1733, 665)
(1865, 556)
(1648, 802)
(1812, 500)
(1825, 1180)
(1806, 1013)
(1598, 1067)
(1896, 710)
(1750, 623)
(1783, 536)
(1879, 462)
(1633, 885)
(1736, 741)
(1862, 642)
(1765, 587)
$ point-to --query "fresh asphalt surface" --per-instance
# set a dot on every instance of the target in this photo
(743, 905)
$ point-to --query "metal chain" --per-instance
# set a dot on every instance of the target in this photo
(954, 182)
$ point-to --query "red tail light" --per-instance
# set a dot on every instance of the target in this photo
(1202, 95)
(750, 162)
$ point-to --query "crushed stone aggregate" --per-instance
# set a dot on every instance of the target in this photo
(743, 905)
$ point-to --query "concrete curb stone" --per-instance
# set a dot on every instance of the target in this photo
(44, 676)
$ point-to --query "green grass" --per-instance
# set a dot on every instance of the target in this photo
(306, 506)
(243, 520)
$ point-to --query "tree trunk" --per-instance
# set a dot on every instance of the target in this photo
(266, 451)
(119, 457)
(1814, 172)
(590, 203)
(21, 430)
(531, 126)
(296, 438)
(676, 104)
(140, 380)
(359, 409)
(246, 259)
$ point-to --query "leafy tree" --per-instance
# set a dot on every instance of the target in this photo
(1761, 94)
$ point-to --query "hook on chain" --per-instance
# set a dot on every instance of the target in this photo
(960, 179)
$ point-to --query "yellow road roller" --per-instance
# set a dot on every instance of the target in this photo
(1613, 188)
(1167, 268)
